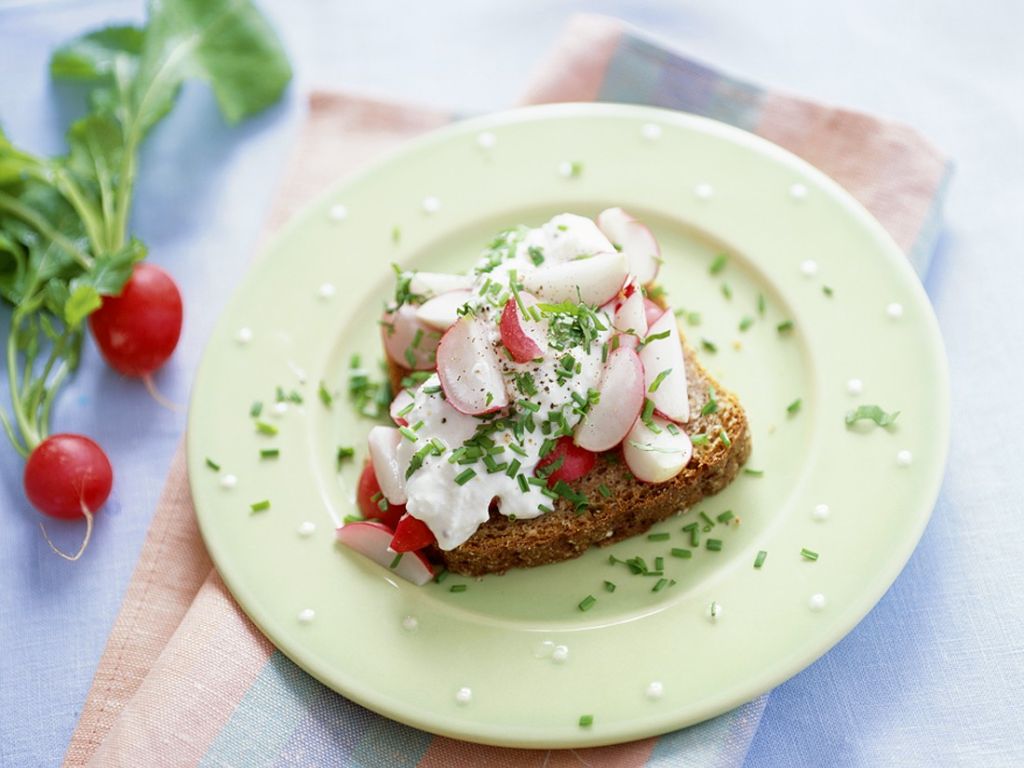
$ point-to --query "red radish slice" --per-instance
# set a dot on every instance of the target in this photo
(652, 312)
(435, 283)
(369, 496)
(384, 442)
(468, 368)
(407, 341)
(622, 397)
(402, 401)
(574, 462)
(656, 457)
(635, 240)
(592, 279)
(630, 315)
(411, 534)
(441, 312)
(666, 354)
(523, 337)
(372, 540)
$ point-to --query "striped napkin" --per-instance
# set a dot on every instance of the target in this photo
(186, 679)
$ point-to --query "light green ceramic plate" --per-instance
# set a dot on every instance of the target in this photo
(863, 333)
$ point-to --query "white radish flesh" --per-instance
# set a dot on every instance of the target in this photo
(372, 539)
(621, 398)
(383, 443)
(635, 240)
(592, 280)
(407, 341)
(441, 312)
(435, 283)
(468, 368)
(402, 401)
(661, 355)
(656, 457)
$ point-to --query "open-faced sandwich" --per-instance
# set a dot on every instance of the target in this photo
(551, 403)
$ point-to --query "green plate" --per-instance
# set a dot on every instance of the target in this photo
(793, 237)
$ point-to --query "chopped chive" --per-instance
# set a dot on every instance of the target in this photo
(256, 409)
(432, 390)
(708, 522)
(724, 436)
(871, 413)
(523, 485)
(827, 290)
(609, 586)
(516, 448)
(727, 291)
(526, 405)
(586, 721)
(672, 428)
(656, 337)
(700, 438)
(465, 476)
(694, 530)
(397, 559)
(660, 585)
(259, 506)
(269, 453)
(212, 464)
(746, 322)
(457, 588)
(647, 415)
(266, 429)
(785, 326)
(603, 490)
(325, 397)
(761, 557)
(718, 264)
(545, 509)
(658, 379)
(753, 472)
(587, 603)
(793, 407)
(726, 516)
(513, 467)
(709, 345)
(408, 434)
(352, 519)
(441, 575)
(693, 318)
(396, 234)
(659, 563)
(279, 394)
(663, 536)
(808, 554)
(761, 304)
(410, 357)
(684, 554)
(715, 545)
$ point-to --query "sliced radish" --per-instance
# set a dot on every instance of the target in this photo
(468, 368)
(369, 496)
(372, 540)
(411, 534)
(384, 442)
(573, 461)
(592, 279)
(630, 316)
(435, 283)
(622, 397)
(523, 337)
(652, 312)
(407, 341)
(635, 240)
(570, 237)
(656, 457)
(666, 354)
(442, 311)
(402, 401)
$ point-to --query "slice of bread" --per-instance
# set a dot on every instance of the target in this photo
(633, 507)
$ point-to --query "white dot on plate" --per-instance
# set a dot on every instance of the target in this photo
(894, 310)
(854, 386)
(715, 610)
(703, 191)
(809, 267)
(798, 191)
(904, 458)
(306, 615)
(306, 529)
(244, 335)
(464, 695)
(338, 212)
(543, 649)
(280, 409)
(817, 602)
(651, 131)
(327, 291)
(431, 204)
(486, 139)
(654, 691)
(821, 512)
(567, 169)
(410, 624)
(228, 481)
(560, 654)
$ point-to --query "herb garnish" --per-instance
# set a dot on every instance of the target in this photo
(871, 413)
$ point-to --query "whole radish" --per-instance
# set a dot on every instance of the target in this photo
(68, 476)
(137, 330)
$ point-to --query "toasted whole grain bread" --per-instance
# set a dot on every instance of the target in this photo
(633, 507)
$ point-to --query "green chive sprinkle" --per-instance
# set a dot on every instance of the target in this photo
(684, 554)
(587, 603)
(753, 472)
(325, 397)
(513, 467)
(523, 485)
(726, 516)
(746, 322)
(658, 379)
(465, 476)
(761, 304)
(761, 557)
(708, 522)
(458, 588)
(441, 575)
(785, 326)
(396, 234)
(256, 409)
(718, 264)
(827, 290)
(664, 536)
(609, 586)
(715, 545)
(693, 318)
(352, 519)
(586, 721)
(709, 345)
(603, 490)
(726, 291)
(660, 585)
(408, 434)
(656, 337)
(725, 437)
(700, 438)
(345, 453)
(659, 563)
(259, 506)
(396, 561)
(266, 429)
(711, 406)
(794, 407)
(269, 453)
(808, 554)
(212, 464)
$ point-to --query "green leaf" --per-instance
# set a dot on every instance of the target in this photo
(110, 271)
(871, 413)
(15, 165)
(82, 302)
(96, 57)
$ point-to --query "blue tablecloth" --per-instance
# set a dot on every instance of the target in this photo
(934, 675)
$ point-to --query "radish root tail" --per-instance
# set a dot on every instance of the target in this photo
(159, 397)
(85, 542)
